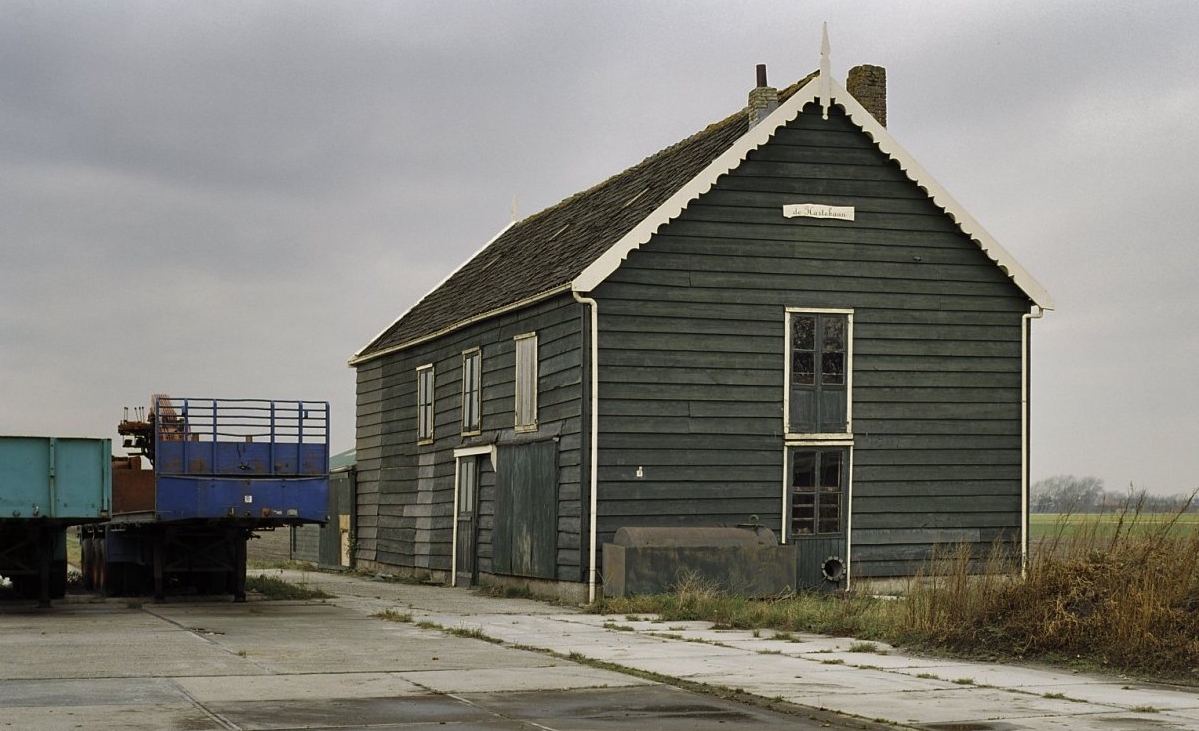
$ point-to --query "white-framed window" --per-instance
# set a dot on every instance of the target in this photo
(424, 403)
(817, 477)
(526, 382)
(472, 391)
(819, 374)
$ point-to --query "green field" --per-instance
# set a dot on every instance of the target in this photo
(1050, 525)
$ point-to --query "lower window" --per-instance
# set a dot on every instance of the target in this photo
(817, 485)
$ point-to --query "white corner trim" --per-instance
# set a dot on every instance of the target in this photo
(357, 357)
(758, 135)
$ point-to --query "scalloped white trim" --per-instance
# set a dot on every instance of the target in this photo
(610, 260)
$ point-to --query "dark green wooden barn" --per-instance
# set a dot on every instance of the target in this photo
(780, 320)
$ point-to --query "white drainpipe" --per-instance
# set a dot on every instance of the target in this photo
(1025, 327)
(593, 307)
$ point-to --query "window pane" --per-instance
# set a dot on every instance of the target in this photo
(424, 403)
(832, 362)
(468, 479)
(803, 514)
(834, 333)
(830, 513)
(803, 471)
(803, 332)
(471, 397)
(526, 381)
(832, 367)
(830, 471)
(803, 369)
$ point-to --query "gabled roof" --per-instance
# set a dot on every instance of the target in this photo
(579, 242)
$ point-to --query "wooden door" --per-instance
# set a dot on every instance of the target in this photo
(467, 530)
(819, 510)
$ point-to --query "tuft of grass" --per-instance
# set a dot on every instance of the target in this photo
(273, 587)
(1113, 591)
(963, 681)
(474, 633)
(1144, 709)
(864, 647)
(289, 564)
(392, 615)
(507, 591)
(619, 627)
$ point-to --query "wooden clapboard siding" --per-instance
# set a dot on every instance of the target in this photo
(692, 354)
(406, 490)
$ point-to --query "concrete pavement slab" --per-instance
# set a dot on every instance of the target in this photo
(298, 687)
(265, 634)
(119, 717)
(40, 646)
(493, 680)
(61, 692)
(353, 713)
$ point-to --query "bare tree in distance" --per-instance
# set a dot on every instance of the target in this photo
(1073, 494)
(1067, 494)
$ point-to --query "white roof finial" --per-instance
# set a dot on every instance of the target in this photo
(515, 209)
(826, 74)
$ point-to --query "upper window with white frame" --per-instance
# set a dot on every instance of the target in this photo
(526, 382)
(424, 403)
(472, 391)
(819, 372)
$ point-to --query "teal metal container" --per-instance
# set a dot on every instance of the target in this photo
(61, 480)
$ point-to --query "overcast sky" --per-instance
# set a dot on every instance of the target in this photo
(231, 198)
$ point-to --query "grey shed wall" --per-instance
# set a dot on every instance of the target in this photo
(406, 490)
(692, 354)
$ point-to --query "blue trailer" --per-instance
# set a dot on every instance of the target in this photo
(46, 485)
(205, 475)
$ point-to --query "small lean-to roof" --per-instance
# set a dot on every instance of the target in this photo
(579, 242)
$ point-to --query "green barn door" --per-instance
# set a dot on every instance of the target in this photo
(525, 540)
(467, 528)
(817, 491)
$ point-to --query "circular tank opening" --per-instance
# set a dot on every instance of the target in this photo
(833, 569)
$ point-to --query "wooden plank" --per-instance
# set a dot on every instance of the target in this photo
(935, 456)
(871, 483)
(914, 536)
(870, 521)
(774, 200)
(813, 249)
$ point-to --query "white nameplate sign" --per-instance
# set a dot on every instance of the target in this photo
(818, 210)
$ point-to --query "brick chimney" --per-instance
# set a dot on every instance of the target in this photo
(868, 84)
(763, 99)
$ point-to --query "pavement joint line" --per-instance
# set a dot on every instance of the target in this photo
(229, 650)
(522, 721)
(218, 718)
